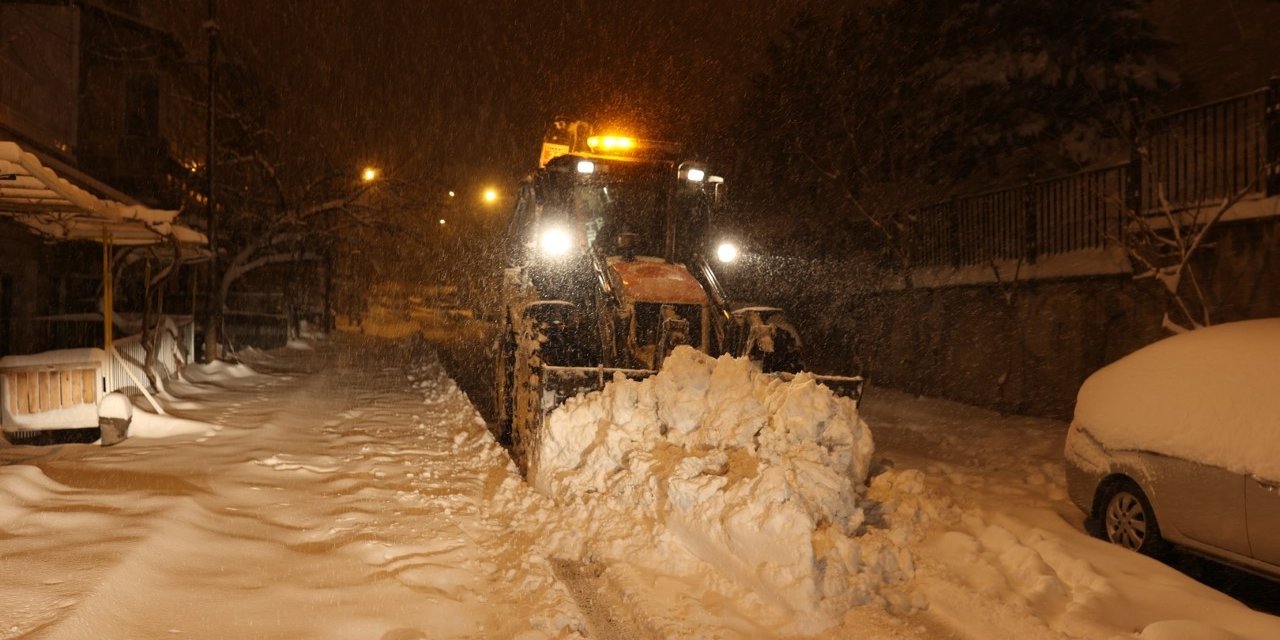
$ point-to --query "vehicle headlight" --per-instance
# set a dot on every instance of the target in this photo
(727, 252)
(555, 242)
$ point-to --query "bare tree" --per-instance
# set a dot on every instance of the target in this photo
(1165, 246)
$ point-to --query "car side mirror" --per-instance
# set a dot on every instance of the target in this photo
(719, 191)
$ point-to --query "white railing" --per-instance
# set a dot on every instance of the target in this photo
(174, 344)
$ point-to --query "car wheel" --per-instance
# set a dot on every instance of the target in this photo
(1128, 520)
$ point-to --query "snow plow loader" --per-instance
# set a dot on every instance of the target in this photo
(610, 264)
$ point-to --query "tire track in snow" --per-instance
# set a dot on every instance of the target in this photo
(604, 609)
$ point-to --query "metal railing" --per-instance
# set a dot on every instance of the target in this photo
(1059, 215)
(1193, 157)
(258, 330)
(1206, 153)
(174, 346)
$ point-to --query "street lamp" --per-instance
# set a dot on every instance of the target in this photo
(490, 195)
(369, 174)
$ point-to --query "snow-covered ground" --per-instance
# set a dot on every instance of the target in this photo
(351, 491)
(1013, 561)
(343, 492)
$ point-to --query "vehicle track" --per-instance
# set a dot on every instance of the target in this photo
(606, 613)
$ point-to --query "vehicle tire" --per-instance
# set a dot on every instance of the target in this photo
(1127, 519)
(526, 389)
(784, 352)
(548, 335)
(529, 355)
(504, 366)
(787, 354)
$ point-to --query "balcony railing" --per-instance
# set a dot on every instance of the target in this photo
(1193, 158)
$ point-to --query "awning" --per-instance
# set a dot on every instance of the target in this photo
(37, 197)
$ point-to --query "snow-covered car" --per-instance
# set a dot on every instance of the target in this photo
(1179, 443)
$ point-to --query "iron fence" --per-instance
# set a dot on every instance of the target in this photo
(1206, 153)
(173, 348)
(1079, 211)
(1192, 157)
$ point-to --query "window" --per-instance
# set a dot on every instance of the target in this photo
(142, 107)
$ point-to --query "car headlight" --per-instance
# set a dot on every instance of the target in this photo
(727, 252)
(555, 242)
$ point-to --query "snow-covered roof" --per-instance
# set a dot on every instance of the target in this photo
(37, 197)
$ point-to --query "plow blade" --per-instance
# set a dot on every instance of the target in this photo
(843, 386)
(561, 383)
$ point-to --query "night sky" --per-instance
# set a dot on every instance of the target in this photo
(467, 88)
(461, 91)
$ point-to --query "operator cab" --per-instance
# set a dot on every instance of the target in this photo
(640, 204)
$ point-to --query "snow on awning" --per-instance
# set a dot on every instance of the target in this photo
(37, 197)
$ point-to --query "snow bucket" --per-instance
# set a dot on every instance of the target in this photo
(114, 430)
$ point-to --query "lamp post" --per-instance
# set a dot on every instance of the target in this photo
(368, 175)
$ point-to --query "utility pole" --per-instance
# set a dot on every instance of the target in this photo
(213, 311)
(326, 322)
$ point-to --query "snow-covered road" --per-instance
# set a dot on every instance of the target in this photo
(353, 491)
(342, 495)
(1012, 560)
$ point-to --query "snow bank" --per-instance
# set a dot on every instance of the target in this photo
(762, 480)
(216, 371)
(145, 424)
(1207, 395)
(299, 344)
(150, 425)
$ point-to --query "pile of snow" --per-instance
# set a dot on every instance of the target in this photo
(151, 425)
(761, 481)
(299, 344)
(1208, 395)
(1007, 555)
(145, 424)
(216, 371)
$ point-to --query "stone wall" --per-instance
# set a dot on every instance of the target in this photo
(1024, 349)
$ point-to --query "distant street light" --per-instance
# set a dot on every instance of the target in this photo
(452, 194)
(490, 195)
(441, 220)
(369, 174)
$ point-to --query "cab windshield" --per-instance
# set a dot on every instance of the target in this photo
(624, 209)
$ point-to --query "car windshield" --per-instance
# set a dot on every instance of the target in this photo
(626, 200)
